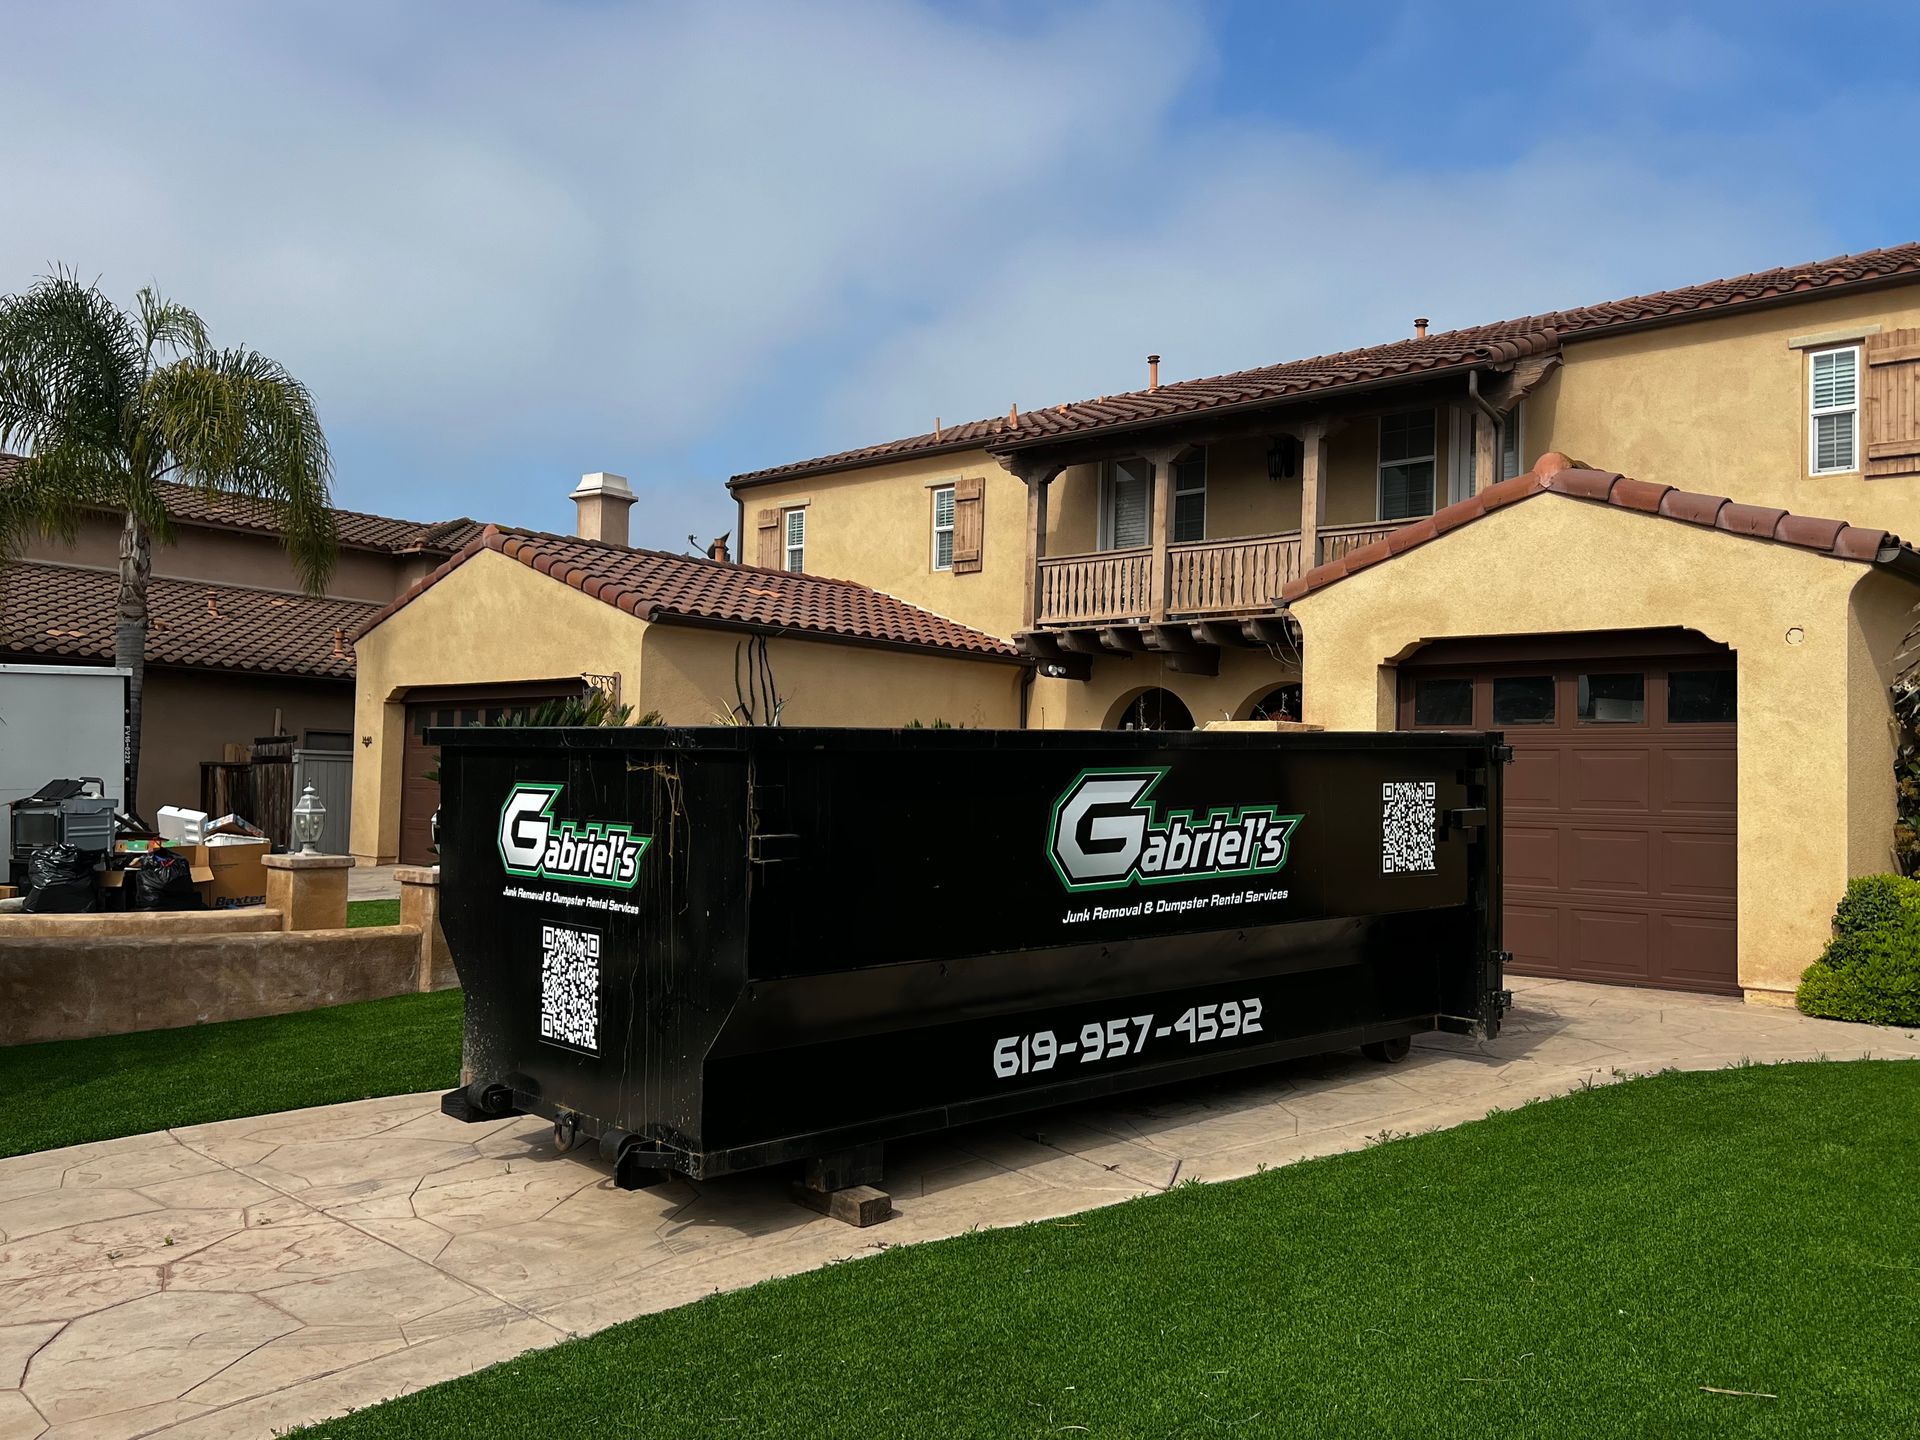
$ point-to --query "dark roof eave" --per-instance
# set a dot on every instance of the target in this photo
(660, 616)
(832, 465)
(1900, 560)
(1243, 407)
(1759, 302)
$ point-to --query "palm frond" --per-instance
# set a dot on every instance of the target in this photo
(69, 367)
(237, 423)
(50, 491)
(168, 326)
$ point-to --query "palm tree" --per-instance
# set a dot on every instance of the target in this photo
(113, 408)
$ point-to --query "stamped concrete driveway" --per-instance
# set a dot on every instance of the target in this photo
(239, 1278)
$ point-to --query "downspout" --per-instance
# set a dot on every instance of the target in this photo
(1027, 673)
(1499, 422)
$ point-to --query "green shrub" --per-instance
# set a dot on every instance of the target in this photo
(1875, 900)
(1870, 975)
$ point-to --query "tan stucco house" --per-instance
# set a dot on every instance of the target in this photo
(236, 649)
(518, 616)
(1691, 663)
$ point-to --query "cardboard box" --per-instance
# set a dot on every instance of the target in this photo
(202, 874)
(239, 876)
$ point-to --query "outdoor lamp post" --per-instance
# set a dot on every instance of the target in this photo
(309, 819)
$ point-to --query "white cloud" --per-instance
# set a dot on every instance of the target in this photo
(1279, 246)
(625, 236)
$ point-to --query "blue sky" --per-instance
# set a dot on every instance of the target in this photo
(507, 244)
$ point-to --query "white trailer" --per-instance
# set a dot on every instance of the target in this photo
(60, 722)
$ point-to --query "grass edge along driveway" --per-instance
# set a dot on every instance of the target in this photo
(1729, 1253)
(70, 1092)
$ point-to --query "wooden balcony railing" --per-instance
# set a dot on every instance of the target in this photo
(1090, 589)
(1337, 541)
(1241, 575)
(1238, 576)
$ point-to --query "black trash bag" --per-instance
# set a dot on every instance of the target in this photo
(164, 881)
(60, 881)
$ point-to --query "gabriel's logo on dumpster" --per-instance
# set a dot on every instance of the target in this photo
(1105, 835)
(535, 845)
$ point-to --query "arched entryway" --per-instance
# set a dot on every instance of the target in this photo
(1282, 702)
(1151, 709)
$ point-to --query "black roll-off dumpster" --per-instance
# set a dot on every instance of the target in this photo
(717, 948)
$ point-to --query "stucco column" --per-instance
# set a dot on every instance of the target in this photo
(309, 891)
(420, 905)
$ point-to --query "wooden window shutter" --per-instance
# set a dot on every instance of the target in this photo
(969, 524)
(768, 554)
(1892, 404)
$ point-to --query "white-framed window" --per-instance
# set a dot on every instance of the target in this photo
(1190, 496)
(1833, 423)
(1406, 465)
(1124, 511)
(796, 540)
(943, 527)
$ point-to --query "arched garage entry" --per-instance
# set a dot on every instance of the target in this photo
(1620, 826)
(1151, 709)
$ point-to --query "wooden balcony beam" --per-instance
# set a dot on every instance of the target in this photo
(1180, 651)
(1084, 642)
(1053, 661)
(1221, 634)
(1122, 640)
(1270, 631)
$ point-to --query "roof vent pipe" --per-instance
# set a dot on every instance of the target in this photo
(1420, 328)
(1153, 372)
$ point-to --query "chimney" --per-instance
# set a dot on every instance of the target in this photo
(1153, 372)
(1420, 328)
(717, 550)
(602, 501)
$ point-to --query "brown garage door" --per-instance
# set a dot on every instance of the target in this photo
(419, 790)
(1620, 813)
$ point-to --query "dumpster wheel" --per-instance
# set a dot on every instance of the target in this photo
(1388, 1052)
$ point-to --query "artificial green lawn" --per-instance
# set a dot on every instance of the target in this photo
(372, 912)
(69, 1091)
(1577, 1268)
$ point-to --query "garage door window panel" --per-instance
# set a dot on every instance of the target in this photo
(1618, 699)
(1700, 697)
(1523, 700)
(1443, 702)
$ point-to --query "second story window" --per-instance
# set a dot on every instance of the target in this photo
(796, 541)
(1123, 517)
(1833, 427)
(1406, 465)
(1190, 497)
(943, 528)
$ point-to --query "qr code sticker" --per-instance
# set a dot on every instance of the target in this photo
(1406, 827)
(570, 987)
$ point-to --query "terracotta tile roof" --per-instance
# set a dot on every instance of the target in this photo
(1555, 474)
(355, 528)
(659, 586)
(66, 611)
(1497, 343)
